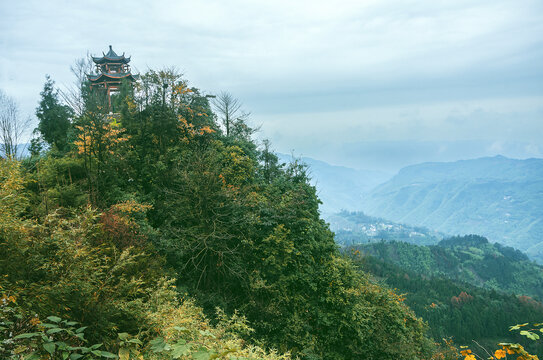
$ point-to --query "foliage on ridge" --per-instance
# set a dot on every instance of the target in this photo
(153, 202)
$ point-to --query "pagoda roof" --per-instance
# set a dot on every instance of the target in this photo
(112, 76)
(111, 57)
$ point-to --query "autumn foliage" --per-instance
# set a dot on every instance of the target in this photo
(461, 299)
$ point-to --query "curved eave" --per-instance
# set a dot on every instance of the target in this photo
(105, 77)
(115, 60)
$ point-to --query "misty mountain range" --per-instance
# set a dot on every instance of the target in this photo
(496, 197)
(339, 187)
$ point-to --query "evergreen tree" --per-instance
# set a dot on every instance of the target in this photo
(54, 117)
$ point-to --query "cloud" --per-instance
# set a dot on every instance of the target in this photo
(345, 71)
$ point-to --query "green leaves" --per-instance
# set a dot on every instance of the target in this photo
(181, 328)
(105, 354)
(54, 330)
(201, 354)
(49, 347)
(54, 319)
(159, 345)
(180, 349)
(206, 333)
(59, 340)
(27, 335)
(530, 335)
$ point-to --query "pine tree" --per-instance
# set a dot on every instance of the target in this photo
(54, 117)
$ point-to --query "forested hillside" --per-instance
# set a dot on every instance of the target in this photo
(470, 259)
(454, 308)
(161, 230)
(497, 197)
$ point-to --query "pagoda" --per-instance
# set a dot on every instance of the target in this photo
(111, 69)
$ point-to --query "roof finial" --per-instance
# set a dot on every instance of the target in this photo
(110, 48)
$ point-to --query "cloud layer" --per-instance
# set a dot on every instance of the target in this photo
(313, 72)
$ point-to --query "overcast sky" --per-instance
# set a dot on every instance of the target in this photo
(366, 84)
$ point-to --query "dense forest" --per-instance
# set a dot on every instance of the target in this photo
(471, 259)
(162, 230)
(157, 228)
(442, 284)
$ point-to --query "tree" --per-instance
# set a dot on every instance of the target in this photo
(164, 86)
(54, 117)
(270, 166)
(12, 127)
(230, 113)
(73, 94)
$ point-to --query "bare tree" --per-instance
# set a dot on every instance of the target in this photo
(12, 127)
(72, 94)
(229, 110)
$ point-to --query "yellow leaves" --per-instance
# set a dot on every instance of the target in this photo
(181, 89)
(467, 354)
(398, 298)
(238, 167)
(183, 121)
(130, 207)
(187, 127)
(206, 130)
(113, 122)
(517, 327)
(7, 299)
(97, 134)
(124, 353)
(132, 106)
(500, 354)
(12, 197)
(35, 321)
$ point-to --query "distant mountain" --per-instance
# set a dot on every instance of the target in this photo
(339, 187)
(352, 228)
(499, 198)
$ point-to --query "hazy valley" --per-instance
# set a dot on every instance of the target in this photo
(499, 198)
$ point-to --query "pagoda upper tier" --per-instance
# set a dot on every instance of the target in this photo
(111, 57)
(111, 69)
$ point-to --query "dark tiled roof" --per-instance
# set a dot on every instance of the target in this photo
(111, 56)
(110, 76)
